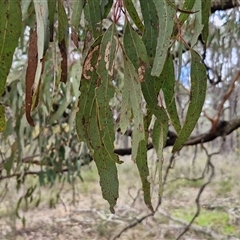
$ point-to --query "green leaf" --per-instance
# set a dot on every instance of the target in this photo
(87, 97)
(51, 14)
(105, 91)
(41, 10)
(151, 23)
(206, 10)
(168, 87)
(197, 22)
(159, 138)
(10, 31)
(88, 128)
(106, 167)
(135, 62)
(92, 13)
(2, 118)
(197, 98)
(188, 5)
(62, 22)
(166, 14)
(136, 51)
(133, 86)
(142, 166)
(150, 92)
(76, 13)
(133, 14)
(106, 6)
(149, 41)
(126, 110)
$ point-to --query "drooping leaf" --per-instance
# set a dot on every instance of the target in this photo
(151, 23)
(150, 35)
(206, 10)
(88, 124)
(198, 26)
(150, 93)
(105, 91)
(165, 14)
(126, 110)
(142, 166)
(30, 75)
(133, 86)
(159, 138)
(63, 30)
(133, 14)
(51, 11)
(106, 166)
(77, 9)
(168, 87)
(92, 13)
(10, 31)
(197, 98)
(41, 10)
(76, 14)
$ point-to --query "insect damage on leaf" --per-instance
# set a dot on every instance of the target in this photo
(30, 74)
(87, 66)
(141, 71)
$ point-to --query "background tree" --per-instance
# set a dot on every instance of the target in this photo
(142, 70)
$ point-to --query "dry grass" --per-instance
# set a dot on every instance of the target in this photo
(83, 214)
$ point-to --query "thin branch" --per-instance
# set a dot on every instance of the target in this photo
(195, 227)
(226, 96)
(197, 200)
(23, 174)
(137, 221)
(223, 129)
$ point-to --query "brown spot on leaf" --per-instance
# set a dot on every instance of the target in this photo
(141, 71)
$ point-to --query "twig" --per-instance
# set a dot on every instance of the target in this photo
(19, 174)
(131, 225)
(195, 227)
(137, 221)
(197, 200)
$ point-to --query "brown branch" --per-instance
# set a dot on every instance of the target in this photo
(210, 166)
(222, 5)
(23, 174)
(223, 129)
(226, 96)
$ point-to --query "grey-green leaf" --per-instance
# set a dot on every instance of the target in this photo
(197, 98)
(206, 10)
(10, 31)
(133, 14)
(168, 87)
(142, 165)
(166, 21)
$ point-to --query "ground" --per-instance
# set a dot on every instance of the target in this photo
(79, 212)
